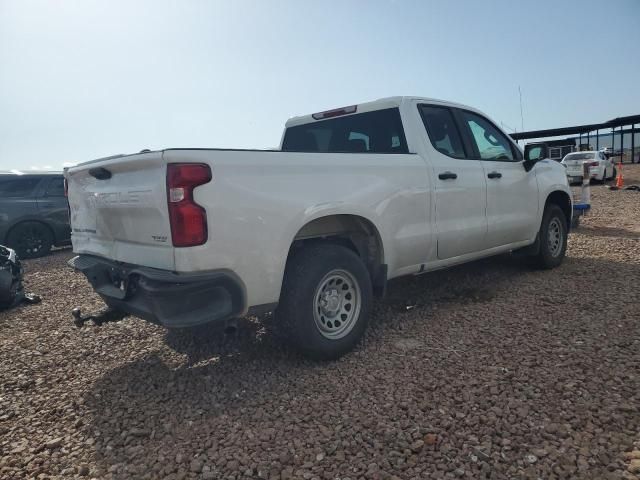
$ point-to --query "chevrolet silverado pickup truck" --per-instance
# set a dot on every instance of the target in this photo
(353, 197)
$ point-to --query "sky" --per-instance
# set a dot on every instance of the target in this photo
(83, 79)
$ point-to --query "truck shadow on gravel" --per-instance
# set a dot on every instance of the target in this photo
(154, 406)
(600, 231)
(257, 337)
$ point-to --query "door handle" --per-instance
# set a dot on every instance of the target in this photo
(494, 175)
(447, 176)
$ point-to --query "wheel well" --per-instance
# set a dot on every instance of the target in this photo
(353, 232)
(561, 199)
(21, 222)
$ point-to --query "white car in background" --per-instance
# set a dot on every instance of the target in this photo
(601, 168)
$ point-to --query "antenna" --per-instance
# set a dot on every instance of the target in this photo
(521, 115)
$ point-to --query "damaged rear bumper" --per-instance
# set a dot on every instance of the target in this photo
(161, 296)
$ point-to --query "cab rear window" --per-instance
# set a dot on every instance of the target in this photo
(371, 132)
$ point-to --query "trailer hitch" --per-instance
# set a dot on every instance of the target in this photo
(101, 316)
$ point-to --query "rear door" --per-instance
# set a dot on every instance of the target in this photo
(512, 192)
(460, 186)
(119, 210)
(53, 207)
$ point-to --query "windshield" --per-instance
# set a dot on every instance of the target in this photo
(581, 156)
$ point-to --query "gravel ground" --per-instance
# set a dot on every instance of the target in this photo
(489, 370)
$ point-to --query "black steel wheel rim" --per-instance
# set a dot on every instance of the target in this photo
(31, 241)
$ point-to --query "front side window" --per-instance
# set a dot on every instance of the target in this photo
(379, 131)
(442, 130)
(490, 142)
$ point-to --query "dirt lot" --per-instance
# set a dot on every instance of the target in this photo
(490, 370)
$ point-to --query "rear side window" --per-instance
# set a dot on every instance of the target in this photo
(55, 187)
(18, 186)
(442, 130)
(371, 132)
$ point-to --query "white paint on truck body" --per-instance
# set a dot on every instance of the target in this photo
(257, 203)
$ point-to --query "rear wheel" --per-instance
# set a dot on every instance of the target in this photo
(325, 301)
(30, 239)
(553, 238)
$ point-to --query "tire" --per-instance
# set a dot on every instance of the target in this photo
(30, 239)
(325, 301)
(552, 237)
(615, 173)
(11, 289)
(10, 297)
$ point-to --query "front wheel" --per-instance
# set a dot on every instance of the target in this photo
(325, 301)
(552, 237)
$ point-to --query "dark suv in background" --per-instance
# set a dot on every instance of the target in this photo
(34, 213)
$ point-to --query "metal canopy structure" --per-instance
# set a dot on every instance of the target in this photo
(581, 130)
(577, 129)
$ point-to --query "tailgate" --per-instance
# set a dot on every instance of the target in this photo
(118, 209)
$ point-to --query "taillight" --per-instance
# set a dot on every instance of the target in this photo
(188, 219)
(594, 164)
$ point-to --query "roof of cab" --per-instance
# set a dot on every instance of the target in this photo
(29, 172)
(380, 104)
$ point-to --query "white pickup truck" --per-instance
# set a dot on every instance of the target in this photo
(354, 197)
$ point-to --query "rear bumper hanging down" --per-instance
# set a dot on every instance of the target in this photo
(160, 296)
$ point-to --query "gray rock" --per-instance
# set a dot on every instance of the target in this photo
(54, 443)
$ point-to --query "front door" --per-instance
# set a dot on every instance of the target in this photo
(512, 192)
(459, 184)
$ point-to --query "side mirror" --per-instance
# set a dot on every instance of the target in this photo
(533, 153)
